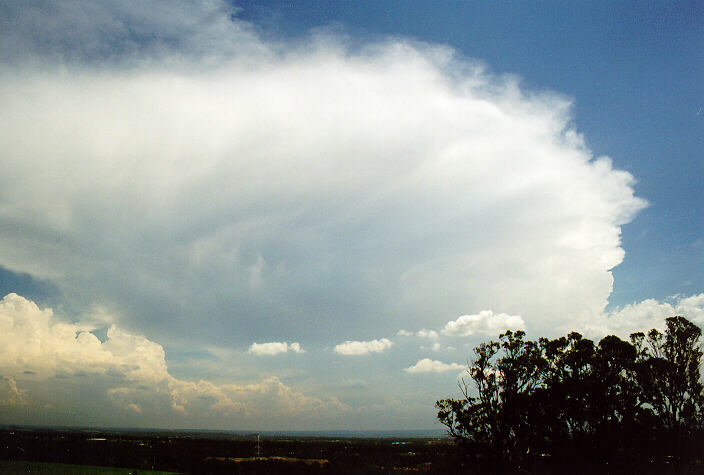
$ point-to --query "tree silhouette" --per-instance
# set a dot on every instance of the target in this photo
(538, 405)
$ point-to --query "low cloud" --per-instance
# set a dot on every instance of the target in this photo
(429, 334)
(274, 348)
(352, 348)
(427, 365)
(485, 322)
(644, 315)
(127, 374)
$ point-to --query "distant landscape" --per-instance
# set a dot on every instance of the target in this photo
(103, 451)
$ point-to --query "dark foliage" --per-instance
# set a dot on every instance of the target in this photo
(570, 405)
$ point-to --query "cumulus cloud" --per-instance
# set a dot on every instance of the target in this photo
(429, 334)
(647, 314)
(426, 365)
(203, 170)
(274, 348)
(10, 395)
(127, 372)
(352, 348)
(485, 322)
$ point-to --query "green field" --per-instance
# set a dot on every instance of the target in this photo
(11, 466)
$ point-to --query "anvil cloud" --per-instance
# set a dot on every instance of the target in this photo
(212, 188)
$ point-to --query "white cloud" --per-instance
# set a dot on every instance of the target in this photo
(350, 348)
(427, 365)
(404, 333)
(274, 348)
(10, 395)
(254, 179)
(644, 315)
(429, 334)
(435, 347)
(485, 322)
(128, 373)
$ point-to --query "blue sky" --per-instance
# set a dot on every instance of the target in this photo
(263, 215)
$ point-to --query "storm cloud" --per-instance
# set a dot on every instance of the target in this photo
(171, 172)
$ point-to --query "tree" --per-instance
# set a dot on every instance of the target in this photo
(489, 422)
(568, 399)
(668, 376)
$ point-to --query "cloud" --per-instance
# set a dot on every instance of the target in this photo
(122, 30)
(429, 334)
(203, 170)
(647, 314)
(127, 374)
(274, 348)
(404, 333)
(485, 322)
(353, 348)
(10, 395)
(427, 365)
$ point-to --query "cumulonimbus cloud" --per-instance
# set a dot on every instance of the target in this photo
(426, 365)
(354, 348)
(226, 172)
(274, 348)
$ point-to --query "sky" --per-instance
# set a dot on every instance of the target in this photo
(277, 216)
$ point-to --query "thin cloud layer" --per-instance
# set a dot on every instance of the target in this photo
(355, 348)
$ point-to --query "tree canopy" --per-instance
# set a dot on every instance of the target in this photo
(572, 404)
